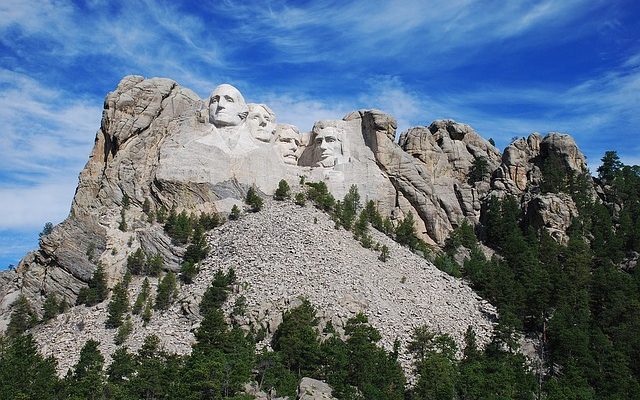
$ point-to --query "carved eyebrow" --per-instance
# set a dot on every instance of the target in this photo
(215, 98)
(229, 98)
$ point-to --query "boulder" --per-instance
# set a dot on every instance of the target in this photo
(313, 389)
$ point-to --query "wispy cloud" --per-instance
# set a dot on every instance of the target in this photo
(416, 30)
(45, 139)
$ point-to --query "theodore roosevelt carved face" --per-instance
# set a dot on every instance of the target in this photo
(288, 142)
(262, 122)
(327, 144)
(227, 106)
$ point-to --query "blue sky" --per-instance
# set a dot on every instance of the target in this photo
(508, 68)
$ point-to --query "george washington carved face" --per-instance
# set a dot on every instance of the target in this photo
(227, 106)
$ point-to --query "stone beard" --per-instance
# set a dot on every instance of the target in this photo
(327, 144)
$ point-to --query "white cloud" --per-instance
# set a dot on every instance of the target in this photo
(45, 139)
(30, 207)
(351, 32)
(303, 112)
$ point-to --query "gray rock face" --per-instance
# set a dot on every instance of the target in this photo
(312, 389)
(430, 169)
(554, 212)
(523, 159)
(162, 143)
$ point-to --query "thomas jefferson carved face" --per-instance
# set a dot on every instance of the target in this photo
(327, 145)
(227, 106)
(288, 142)
(262, 122)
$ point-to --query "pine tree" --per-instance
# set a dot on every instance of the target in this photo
(136, 262)
(97, 289)
(283, 191)
(373, 215)
(217, 293)
(406, 232)
(167, 289)
(23, 317)
(142, 297)
(24, 373)
(126, 201)
(46, 230)
(122, 367)
(123, 332)
(254, 200)
(554, 175)
(198, 249)
(300, 199)
(147, 313)
(435, 364)
(235, 213)
(87, 379)
(349, 209)
(154, 265)
(479, 170)
(611, 164)
(146, 207)
(361, 227)
(384, 253)
(297, 339)
(123, 223)
(51, 307)
(118, 306)
(161, 215)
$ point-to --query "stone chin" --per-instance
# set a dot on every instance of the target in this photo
(222, 119)
(326, 162)
(290, 159)
(263, 135)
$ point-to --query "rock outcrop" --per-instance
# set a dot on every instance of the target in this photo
(161, 146)
(523, 160)
(313, 389)
(430, 169)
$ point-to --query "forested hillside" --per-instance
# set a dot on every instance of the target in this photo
(578, 302)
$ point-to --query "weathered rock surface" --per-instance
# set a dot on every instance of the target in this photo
(553, 212)
(280, 256)
(523, 159)
(430, 169)
(313, 389)
(162, 143)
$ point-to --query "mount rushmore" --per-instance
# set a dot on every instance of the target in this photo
(159, 143)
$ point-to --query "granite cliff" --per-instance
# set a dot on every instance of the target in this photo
(160, 146)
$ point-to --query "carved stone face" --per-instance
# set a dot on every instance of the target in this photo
(262, 122)
(227, 106)
(288, 142)
(327, 146)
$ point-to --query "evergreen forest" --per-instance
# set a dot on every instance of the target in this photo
(578, 302)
